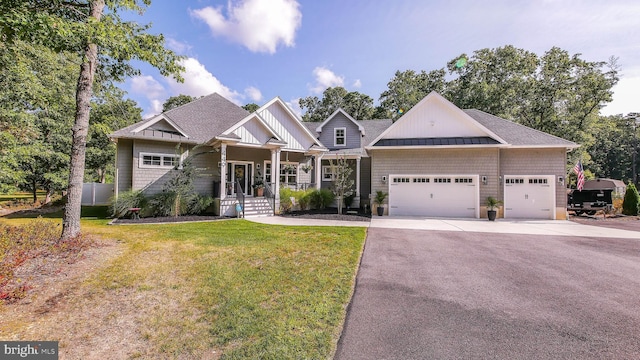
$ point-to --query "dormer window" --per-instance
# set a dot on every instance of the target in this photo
(340, 136)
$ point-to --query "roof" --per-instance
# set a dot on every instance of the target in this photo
(335, 113)
(515, 134)
(477, 140)
(201, 120)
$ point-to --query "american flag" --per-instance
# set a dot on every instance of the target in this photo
(578, 170)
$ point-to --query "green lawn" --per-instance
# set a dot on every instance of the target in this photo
(240, 289)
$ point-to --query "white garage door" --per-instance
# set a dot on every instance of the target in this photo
(433, 195)
(529, 197)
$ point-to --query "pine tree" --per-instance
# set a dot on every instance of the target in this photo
(631, 201)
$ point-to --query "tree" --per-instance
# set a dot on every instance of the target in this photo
(359, 106)
(342, 184)
(101, 38)
(631, 204)
(612, 148)
(109, 112)
(175, 101)
(407, 88)
(251, 107)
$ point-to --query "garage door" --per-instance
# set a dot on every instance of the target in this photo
(433, 195)
(529, 197)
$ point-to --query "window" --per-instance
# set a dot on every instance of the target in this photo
(288, 173)
(515, 181)
(267, 172)
(420, 180)
(340, 136)
(327, 174)
(401, 180)
(166, 161)
(537, 181)
(442, 180)
(464, 180)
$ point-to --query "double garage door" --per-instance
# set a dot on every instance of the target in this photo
(525, 197)
(434, 195)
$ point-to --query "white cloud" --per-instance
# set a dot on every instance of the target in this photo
(325, 78)
(178, 46)
(198, 81)
(148, 86)
(357, 84)
(259, 25)
(294, 105)
(625, 97)
(253, 93)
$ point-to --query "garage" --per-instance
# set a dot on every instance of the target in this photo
(529, 197)
(434, 195)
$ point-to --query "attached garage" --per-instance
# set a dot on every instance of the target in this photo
(529, 197)
(434, 195)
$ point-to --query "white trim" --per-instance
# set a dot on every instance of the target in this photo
(156, 120)
(326, 170)
(294, 116)
(446, 103)
(141, 164)
(247, 119)
(360, 127)
(344, 136)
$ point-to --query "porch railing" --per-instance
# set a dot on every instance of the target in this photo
(270, 196)
(240, 195)
(299, 186)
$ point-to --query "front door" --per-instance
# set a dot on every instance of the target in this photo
(240, 173)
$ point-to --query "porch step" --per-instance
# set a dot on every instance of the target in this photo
(253, 206)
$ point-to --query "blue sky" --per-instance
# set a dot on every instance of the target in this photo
(254, 50)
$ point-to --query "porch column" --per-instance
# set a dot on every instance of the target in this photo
(318, 168)
(223, 171)
(358, 178)
(275, 175)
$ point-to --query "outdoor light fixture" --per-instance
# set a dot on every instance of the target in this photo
(384, 178)
(500, 179)
(560, 180)
(484, 180)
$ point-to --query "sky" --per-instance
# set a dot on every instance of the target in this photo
(251, 51)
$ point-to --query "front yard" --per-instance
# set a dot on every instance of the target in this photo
(228, 289)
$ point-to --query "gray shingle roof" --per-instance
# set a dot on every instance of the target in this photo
(201, 119)
(516, 134)
(373, 129)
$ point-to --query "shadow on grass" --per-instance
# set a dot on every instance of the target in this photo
(98, 212)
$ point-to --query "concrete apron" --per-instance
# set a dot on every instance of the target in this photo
(502, 226)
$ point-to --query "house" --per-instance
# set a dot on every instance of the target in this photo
(436, 160)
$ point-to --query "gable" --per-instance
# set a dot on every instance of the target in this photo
(340, 120)
(286, 125)
(254, 131)
(160, 124)
(435, 117)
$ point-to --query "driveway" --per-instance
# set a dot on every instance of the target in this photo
(459, 294)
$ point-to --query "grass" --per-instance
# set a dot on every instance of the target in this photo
(227, 289)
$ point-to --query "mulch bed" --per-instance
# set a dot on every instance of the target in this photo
(611, 221)
(327, 214)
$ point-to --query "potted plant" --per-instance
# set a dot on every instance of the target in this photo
(288, 168)
(258, 185)
(379, 200)
(306, 168)
(492, 207)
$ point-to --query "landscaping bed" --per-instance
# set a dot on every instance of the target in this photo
(622, 222)
(328, 214)
(168, 219)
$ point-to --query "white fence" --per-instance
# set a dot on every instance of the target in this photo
(96, 194)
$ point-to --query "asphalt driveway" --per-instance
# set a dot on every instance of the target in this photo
(424, 294)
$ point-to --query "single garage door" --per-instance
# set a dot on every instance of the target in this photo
(434, 195)
(529, 197)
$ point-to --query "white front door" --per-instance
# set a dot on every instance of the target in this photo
(529, 197)
(434, 195)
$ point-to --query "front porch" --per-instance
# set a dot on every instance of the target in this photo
(248, 177)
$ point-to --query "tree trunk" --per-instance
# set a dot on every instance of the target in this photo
(34, 187)
(84, 91)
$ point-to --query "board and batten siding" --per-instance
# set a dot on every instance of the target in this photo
(288, 127)
(253, 132)
(124, 163)
(352, 133)
(538, 162)
(477, 161)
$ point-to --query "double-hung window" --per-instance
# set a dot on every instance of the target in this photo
(340, 136)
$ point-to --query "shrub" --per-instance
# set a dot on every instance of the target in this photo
(127, 200)
(631, 200)
(285, 199)
(320, 199)
(303, 197)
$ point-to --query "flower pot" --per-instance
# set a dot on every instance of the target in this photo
(259, 191)
(380, 210)
(492, 214)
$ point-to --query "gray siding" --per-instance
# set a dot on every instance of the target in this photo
(352, 133)
(538, 162)
(352, 164)
(483, 162)
(150, 179)
(124, 162)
